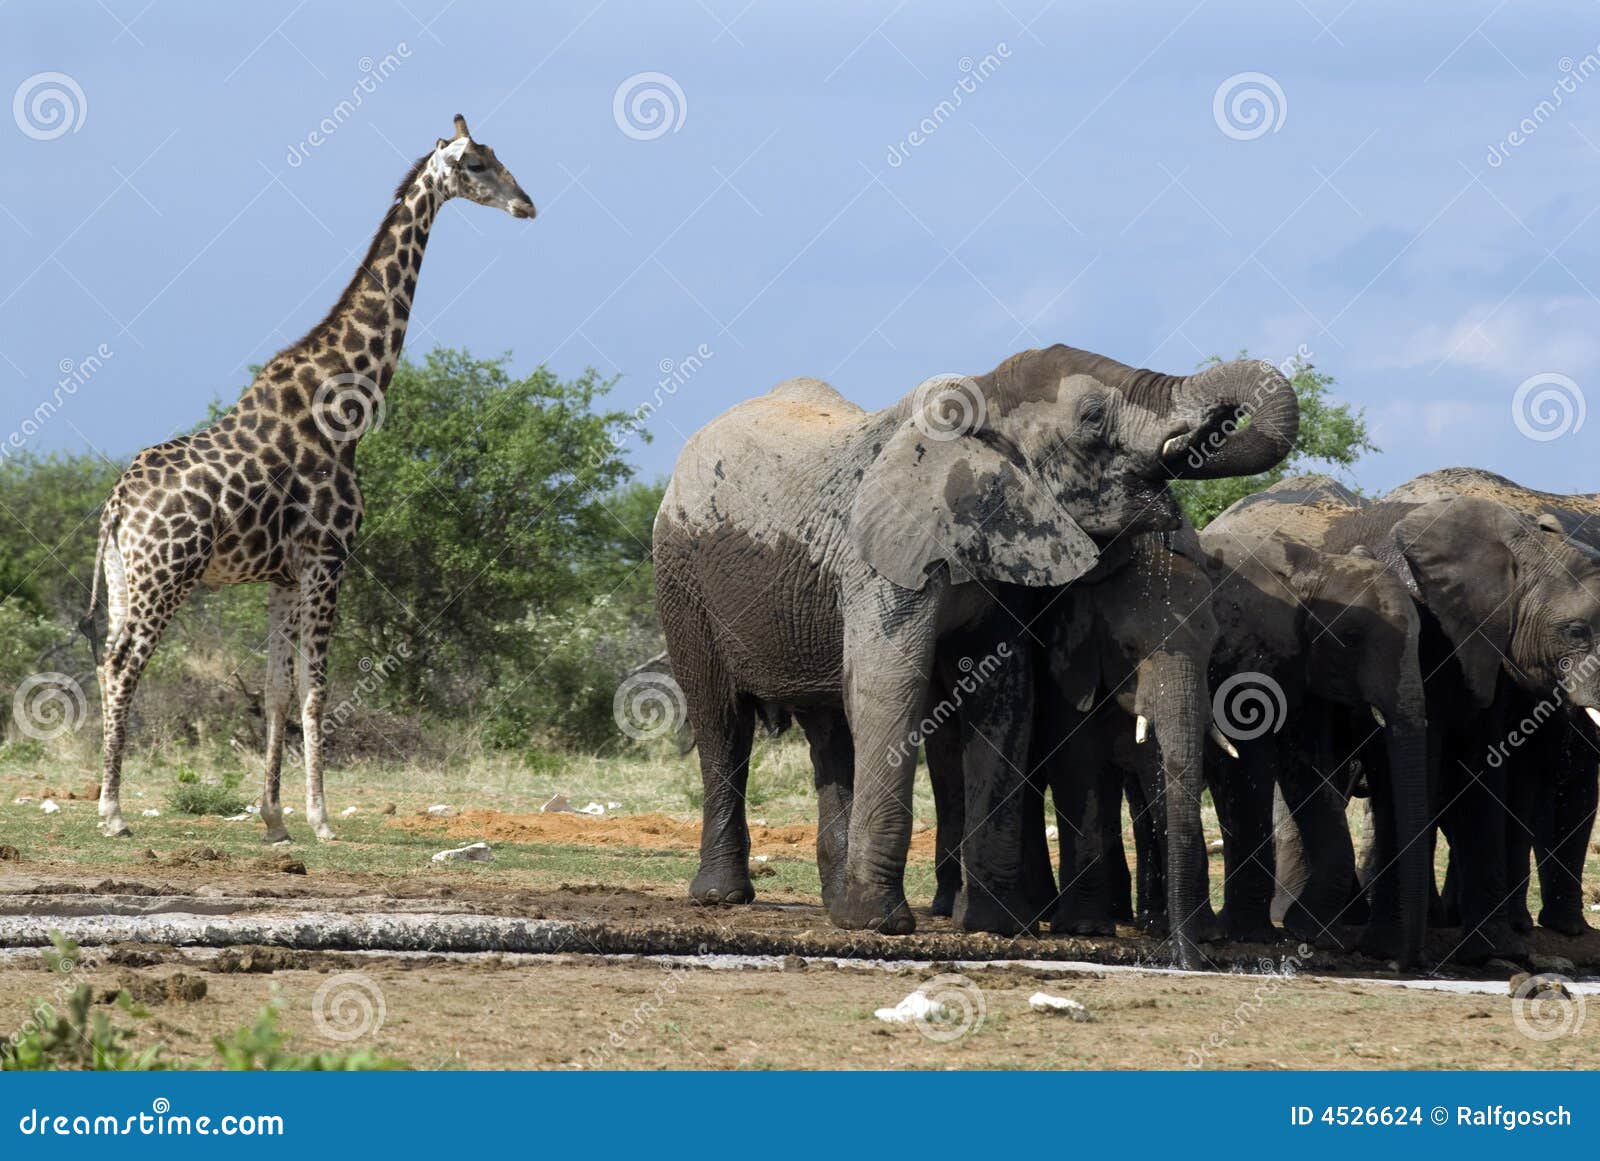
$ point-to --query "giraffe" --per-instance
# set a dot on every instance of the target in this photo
(268, 493)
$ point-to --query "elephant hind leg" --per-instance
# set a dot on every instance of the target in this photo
(943, 750)
(724, 736)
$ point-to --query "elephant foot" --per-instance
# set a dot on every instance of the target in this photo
(1249, 924)
(1301, 923)
(1383, 941)
(944, 899)
(872, 907)
(1008, 913)
(1566, 920)
(1491, 941)
(1518, 916)
(715, 885)
(1152, 923)
(1076, 919)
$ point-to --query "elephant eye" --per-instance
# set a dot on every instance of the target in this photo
(1577, 633)
(1092, 410)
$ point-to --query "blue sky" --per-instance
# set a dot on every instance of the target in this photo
(1086, 190)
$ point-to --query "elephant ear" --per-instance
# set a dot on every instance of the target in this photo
(960, 502)
(1461, 553)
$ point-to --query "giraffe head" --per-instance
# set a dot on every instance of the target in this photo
(463, 168)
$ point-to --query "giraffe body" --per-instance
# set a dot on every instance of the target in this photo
(268, 493)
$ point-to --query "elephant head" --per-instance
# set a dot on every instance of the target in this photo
(1511, 592)
(1020, 474)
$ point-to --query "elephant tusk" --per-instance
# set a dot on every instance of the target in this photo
(1172, 447)
(1141, 729)
(1223, 742)
(1378, 717)
(1594, 714)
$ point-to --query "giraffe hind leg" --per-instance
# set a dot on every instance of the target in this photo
(139, 615)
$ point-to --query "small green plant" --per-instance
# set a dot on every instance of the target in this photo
(260, 1048)
(190, 795)
(76, 1038)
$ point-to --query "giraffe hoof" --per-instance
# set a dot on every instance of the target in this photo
(325, 834)
(281, 835)
(116, 828)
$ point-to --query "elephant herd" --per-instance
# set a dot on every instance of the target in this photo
(994, 571)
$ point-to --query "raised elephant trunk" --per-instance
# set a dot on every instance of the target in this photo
(1221, 398)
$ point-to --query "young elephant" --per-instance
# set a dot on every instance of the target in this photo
(1329, 643)
(811, 556)
(1509, 603)
(1123, 660)
(1552, 775)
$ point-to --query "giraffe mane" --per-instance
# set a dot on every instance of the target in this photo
(363, 273)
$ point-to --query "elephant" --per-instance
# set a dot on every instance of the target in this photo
(811, 556)
(1119, 691)
(1509, 606)
(1324, 649)
(1553, 774)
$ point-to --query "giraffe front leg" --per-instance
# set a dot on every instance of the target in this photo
(318, 592)
(283, 630)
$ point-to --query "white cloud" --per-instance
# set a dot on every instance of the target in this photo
(1518, 339)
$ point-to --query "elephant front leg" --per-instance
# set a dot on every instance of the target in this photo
(1243, 791)
(1317, 809)
(1087, 790)
(1562, 840)
(886, 675)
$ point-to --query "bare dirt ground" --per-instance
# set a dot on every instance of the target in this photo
(616, 887)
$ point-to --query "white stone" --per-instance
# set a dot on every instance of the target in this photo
(152, 812)
(593, 808)
(917, 1006)
(348, 811)
(50, 806)
(1058, 1006)
(476, 853)
(440, 810)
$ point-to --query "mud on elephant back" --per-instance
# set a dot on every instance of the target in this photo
(810, 557)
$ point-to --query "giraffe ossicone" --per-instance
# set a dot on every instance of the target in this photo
(268, 494)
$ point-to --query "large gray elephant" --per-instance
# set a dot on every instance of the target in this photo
(810, 556)
(1323, 647)
(1552, 773)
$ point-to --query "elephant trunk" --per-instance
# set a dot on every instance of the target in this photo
(1179, 713)
(1223, 396)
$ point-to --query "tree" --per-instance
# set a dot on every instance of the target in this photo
(486, 498)
(1332, 435)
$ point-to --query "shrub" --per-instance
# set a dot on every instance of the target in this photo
(190, 795)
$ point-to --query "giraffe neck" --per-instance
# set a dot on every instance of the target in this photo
(335, 377)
